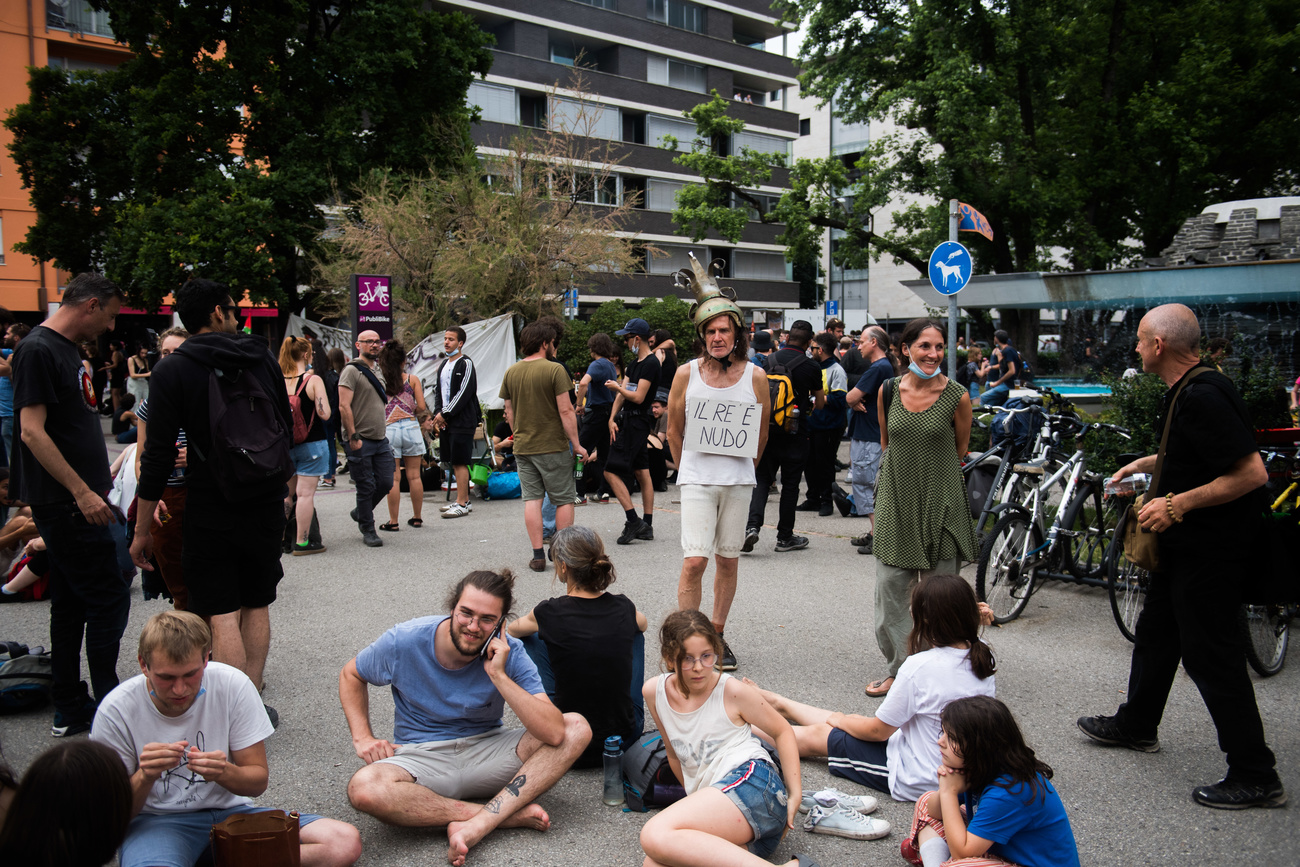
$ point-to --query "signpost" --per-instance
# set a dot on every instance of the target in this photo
(722, 427)
(950, 269)
(832, 309)
(372, 305)
(571, 303)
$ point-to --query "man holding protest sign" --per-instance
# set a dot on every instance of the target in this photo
(718, 414)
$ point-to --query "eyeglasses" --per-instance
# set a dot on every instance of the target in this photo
(706, 660)
(370, 341)
(486, 621)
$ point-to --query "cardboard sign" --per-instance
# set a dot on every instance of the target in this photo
(722, 427)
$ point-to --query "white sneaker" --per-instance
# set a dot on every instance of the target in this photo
(864, 804)
(840, 821)
(469, 507)
(456, 511)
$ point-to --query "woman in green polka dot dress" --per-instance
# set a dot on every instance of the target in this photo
(923, 523)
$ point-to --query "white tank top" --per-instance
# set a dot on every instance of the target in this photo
(702, 468)
(707, 743)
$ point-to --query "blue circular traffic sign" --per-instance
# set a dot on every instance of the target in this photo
(950, 267)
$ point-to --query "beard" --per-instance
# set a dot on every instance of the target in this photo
(462, 644)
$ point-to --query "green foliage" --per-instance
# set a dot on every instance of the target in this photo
(1049, 364)
(210, 151)
(670, 313)
(1263, 387)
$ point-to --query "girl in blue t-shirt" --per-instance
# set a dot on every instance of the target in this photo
(995, 805)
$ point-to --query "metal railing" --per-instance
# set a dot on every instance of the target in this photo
(77, 17)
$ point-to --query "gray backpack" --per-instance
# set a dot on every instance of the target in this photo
(648, 779)
(25, 677)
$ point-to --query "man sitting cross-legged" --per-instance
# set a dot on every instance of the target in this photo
(451, 676)
(191, 733)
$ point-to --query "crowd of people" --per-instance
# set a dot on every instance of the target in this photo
(180, 747)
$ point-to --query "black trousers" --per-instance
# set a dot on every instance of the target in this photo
(824, 446)
(785, 454)
(1190, 616)
(594, 437)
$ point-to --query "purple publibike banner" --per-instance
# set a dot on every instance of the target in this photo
(372, 304)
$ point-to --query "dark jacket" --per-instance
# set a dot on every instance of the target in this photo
(178, 398)
(462, 410)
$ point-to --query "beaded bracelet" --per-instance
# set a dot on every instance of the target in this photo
(1169, 507)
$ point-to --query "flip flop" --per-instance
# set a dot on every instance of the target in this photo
(391, 527)
(415, 522)
(877, 688)
(806, 860)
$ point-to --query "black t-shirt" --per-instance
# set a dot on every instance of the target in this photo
(47, 370)
(805, 375)
(667, 370)
(1007, 356)
(1211, 432)
(647, 368)
(590, 644)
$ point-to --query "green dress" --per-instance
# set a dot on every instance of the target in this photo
(922, 514)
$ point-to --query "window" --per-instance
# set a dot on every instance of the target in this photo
(661, 195)
(585, 118)
(757, 266)
(77, 16)
(72, 64)
(1268, 230)
(657, 127)
(569, 52)
(634, 192)
(675, 73)
(766, 144)
(595, 189)
(805, 126)
(532, 110)
(601, 4)
(676, 260)
(496, 103)
(633, 128)
(676, 13)
(766, 201)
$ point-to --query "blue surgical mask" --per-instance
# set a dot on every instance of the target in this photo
(455, 351)
(912, 367)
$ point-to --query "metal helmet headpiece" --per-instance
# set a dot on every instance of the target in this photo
(710, 299)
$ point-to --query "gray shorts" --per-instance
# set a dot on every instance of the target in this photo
(473, 767)
(549, 473)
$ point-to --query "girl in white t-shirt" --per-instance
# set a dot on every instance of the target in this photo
(735, 798)
(896, 751)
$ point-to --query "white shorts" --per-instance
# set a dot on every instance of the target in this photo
(713, 519)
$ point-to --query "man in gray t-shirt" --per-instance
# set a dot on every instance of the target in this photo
(361, 409)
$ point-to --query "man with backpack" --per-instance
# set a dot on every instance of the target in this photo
(61, 471)
(371, 464)
(795, 385)
(226, 390)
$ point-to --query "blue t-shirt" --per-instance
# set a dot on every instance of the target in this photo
(865, 426)
(1007, 356)
(435, 703)
(601, 371)
(1033, 834)
(6, 389)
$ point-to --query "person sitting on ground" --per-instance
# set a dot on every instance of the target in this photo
(588, 644)
(896, 750)
(126, 421)
(995, 805)
(27, 572)
(192, 734)
(71, 809)
(738, 807)
(452, 676)
(503, 446)
(18, 527)
(658, 453)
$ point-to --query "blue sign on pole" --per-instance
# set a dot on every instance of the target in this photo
(950, 267)
(832, 308)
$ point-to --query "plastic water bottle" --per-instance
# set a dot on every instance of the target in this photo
(613, 760)
(792, 420)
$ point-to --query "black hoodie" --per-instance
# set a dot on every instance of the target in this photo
(178, 398)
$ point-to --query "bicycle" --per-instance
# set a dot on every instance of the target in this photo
(1127, 583)
(1002, 457)
(1019, 552)
(1266, 627)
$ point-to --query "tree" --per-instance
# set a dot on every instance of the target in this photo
(506, 233)
(670, 313)
(1086, 132)
(210, 151)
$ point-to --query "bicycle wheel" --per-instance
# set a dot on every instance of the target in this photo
(1091, 522)
(1126, 583)
(1265, 628)
(1000, 578)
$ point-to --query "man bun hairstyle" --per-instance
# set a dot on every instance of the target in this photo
(499, 584)
(176, 634)
(89, 286)
(583, 551)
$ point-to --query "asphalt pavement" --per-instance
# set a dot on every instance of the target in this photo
(801, 625)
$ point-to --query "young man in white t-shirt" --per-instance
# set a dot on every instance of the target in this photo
(192, 733)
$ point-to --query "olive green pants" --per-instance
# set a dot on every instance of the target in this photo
(894, 606)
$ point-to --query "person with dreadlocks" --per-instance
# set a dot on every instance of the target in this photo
(715, 488)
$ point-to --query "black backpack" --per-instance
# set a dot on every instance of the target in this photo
(963, 375)
(26, 677)
(250, 446)
(648, 779)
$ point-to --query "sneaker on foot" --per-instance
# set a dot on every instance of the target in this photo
(647, 532)
(356, 519)
(808, 506)
(827, 509)
(751, 539)
(632, 530)
(727, 661)
(302, 549)
(273, 715)
(1106, 730)
(839, 821)
(469, 507)
(864, 804)
(794, 543)
(371, 538)
(66, 727)
(457, 510)
(1230, 795)
(864, 543)
(842, 501)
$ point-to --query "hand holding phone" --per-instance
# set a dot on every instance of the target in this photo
(496, 633)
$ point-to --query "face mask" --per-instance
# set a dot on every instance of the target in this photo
(455, 351)
(912, 367)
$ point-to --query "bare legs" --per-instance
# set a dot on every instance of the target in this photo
(329, 843)
(533, 521)
(411, 464)
(811, 729)
(306, 488)
(615, 483)
(462, 485)
(705, 828)
(391, 795)
(690, 589)
(242, 639)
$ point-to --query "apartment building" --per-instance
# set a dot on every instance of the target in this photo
(645, 62)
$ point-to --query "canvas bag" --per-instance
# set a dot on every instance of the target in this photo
(1141, 546)
(265, 839)
(26, 677)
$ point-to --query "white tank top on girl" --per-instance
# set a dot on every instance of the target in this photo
(702, 468)
(707, 743)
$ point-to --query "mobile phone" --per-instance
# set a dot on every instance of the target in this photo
(495, 632)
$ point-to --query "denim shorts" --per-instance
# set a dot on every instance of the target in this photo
(757, 789)
(178, 839)
(405, 439)
(311, 459)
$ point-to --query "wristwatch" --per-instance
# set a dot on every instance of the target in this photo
(355, 436)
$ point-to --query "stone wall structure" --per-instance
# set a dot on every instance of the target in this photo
(1244, 237)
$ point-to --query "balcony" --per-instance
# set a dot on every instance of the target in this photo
(76, 16)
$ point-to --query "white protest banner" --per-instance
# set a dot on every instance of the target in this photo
(722, 427)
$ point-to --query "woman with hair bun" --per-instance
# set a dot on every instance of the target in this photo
(588, 644)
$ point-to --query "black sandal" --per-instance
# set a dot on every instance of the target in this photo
(415, 522)
(390, 527)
